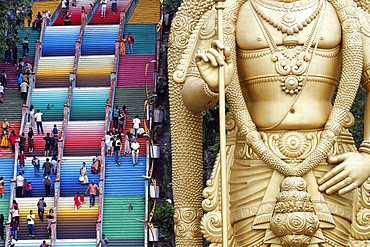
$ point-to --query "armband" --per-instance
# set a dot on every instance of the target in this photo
(365, 147)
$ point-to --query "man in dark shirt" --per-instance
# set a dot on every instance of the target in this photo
(47, 167)
(47, 140)
(22, 142)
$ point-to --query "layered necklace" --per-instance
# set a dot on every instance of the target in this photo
(288, 25)
(291, 61)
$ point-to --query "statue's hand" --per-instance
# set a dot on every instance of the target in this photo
(208, 63)
(351, 170)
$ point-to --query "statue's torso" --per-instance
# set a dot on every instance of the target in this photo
(288, 106)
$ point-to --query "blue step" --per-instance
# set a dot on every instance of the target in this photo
(6, 171)
(60, 40)
(70, 172)
(38, 189)
(99, 40)
(125, 179)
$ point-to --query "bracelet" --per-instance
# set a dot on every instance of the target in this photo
(365, 147)
(209, 92)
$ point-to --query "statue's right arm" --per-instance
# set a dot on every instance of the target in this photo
(195, 97)
(200, 93)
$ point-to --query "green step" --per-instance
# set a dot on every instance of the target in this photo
(11, 108)
(32, 37)
(121, 222)
(4, 208)
(133, 98)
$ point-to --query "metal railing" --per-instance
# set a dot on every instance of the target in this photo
(56, 14)
(32, 82)
(108, 110)
(94, 7)
(130, 9)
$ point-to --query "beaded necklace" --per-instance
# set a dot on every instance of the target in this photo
(287, 25)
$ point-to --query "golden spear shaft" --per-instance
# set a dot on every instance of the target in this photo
(221, 77)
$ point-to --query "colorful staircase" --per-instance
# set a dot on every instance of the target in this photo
(54, 71)
(137, 64)
(146, 11)
(11, 109)
(11, 70)
(33, 36)
(38, 189)
(72, 224)
(66, 36)
(94, 71)
(110, 17)
(124, 186)
(25, 205)
(8, 152)
(75, 12)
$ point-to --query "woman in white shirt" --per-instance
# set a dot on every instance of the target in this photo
(108, 143)
(136, 124)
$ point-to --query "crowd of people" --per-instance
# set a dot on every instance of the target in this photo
(50, 140)
(24, 187)
(15, 220)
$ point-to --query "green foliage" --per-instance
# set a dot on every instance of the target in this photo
(162, 84)
(163, 218)
(358, 112)
(171, 6)
(12, 14)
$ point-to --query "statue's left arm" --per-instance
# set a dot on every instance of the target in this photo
(353, 169)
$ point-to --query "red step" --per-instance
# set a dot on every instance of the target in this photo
(75, 12)
(141, 139)
(110, 18)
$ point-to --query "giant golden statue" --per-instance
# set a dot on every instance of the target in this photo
(295, 177)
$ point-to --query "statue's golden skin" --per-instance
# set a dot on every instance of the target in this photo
(287, 80)
(268, 105)
(304, 108)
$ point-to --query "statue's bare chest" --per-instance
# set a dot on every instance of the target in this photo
(263, 24)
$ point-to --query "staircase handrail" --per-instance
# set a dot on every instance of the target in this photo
(38, 52)
(13, 181)
(93, 9)
(108, 108)
(42, 33)
(56, 14)
(101, 186)
(61, 142)
(117, 48)
(130, 9)
(32, 83)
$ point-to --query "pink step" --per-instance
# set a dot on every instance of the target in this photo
(131, 71)
(11, 71)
